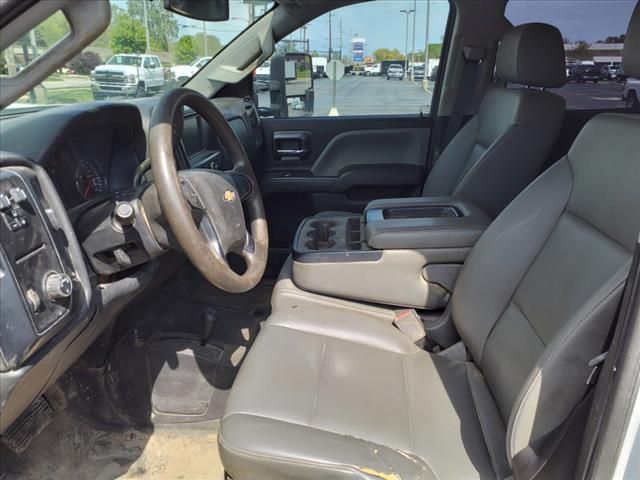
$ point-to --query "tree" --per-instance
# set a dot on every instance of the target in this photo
(127, 35)
(435, 50)
(51, 30)
(614, 39)
(185, 50)
(581, 52)
(214, 45)
(381, 54)
(163, 26)
(84, 63)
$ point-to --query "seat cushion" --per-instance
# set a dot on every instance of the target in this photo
(329, 393)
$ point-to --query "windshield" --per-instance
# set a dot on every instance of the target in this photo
(168, 50)
(125, 60)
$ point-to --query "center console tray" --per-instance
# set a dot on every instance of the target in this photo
(332, 239)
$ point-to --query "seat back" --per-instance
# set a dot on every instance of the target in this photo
(536, 298)
(503, 147)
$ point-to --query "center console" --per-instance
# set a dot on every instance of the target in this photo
(404, 252)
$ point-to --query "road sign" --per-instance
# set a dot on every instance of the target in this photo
(335, 70)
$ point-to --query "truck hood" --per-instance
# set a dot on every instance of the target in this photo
(126, 69)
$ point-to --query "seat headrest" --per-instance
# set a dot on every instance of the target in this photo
(631, 52)
(532, 54)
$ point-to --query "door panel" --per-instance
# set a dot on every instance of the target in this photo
(337, 163)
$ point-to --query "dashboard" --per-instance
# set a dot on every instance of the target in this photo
(67, 169)
(93, 162)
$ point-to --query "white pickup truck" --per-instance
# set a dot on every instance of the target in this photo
(631, 94)
(127, 75)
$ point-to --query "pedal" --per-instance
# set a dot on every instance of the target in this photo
(28, 425)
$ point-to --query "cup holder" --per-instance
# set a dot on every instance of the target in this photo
(320, 235)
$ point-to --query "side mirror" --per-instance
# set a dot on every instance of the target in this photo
(291, 85)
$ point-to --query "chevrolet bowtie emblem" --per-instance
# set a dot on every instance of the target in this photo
(229, 196)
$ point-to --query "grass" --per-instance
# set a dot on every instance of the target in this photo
(69, 95)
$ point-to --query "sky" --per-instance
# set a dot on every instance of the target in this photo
(589, 20)
(382, 24)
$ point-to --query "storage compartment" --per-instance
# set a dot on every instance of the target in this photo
(404, 252)
(429, 211)
(428, 222)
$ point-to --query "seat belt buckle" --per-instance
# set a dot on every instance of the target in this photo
(409, 323)
(595, 364)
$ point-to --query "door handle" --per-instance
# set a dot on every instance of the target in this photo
(298, 152)
(291, 145)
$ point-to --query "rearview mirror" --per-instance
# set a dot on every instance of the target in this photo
(291, 85)
(206, 10)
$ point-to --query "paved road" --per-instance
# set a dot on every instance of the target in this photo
(357, 95)
(376, 95)
(592, 96)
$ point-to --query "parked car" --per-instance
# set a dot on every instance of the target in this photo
(583, 73)
(620, 75)
(434, 73)
(631, 94)
(127, 75)
(357, 70)
(183, 72)
(418, 72)
(395, 70)
(608, 72)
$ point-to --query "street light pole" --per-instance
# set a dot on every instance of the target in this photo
(406, 39)
(413, 40)
(426, 45)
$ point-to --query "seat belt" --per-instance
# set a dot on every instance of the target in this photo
(472, 58)
(409, 323)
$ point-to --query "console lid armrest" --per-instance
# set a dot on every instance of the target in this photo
(421, 223)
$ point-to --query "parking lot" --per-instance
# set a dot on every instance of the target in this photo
(357, 95)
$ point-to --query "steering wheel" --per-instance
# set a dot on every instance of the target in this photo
(204, 208)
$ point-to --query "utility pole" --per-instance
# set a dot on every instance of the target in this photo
(329, 36)
(413, 40)
(406, 39)
(304, 39)
(146, 25)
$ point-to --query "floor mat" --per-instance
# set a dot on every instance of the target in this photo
(72, 449)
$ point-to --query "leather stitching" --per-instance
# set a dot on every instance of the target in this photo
(589, 224)
(315, 397)
(481, 421)
(528, 322)
(551, 356)
(406, 393)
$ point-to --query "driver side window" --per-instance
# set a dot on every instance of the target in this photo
(389, 50)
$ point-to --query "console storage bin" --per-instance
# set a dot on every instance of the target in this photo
(402, 252)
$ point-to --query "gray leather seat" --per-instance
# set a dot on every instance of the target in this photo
(503, 147)
(328, 393)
